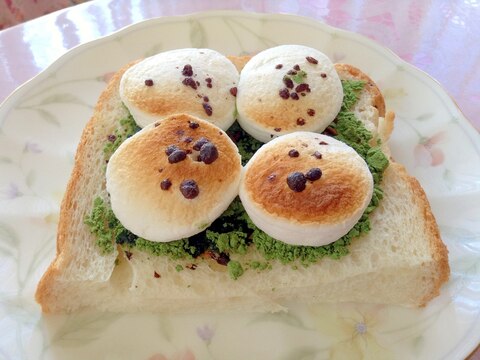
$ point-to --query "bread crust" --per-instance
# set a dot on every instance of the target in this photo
(438, 249)
(46, 291)
(239, 61)
(349, 71)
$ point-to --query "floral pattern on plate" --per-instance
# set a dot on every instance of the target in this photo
(40, 127)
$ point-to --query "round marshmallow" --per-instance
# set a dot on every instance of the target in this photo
(285, 195)
(199, 82)
(173, 178)
(288, 88)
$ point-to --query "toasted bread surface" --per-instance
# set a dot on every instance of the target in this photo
(401, 261)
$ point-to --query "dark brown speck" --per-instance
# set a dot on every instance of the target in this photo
(170, 149)
(165, 184)
(187, 70)
(311, 112)
(208, 153)
(294, 96)
(288, 82)
(177, 156)
(199, 143)
(293, 153)
(208, 109)
(149, 82)
(323, 75)
(317, 154)
(312, 60)
(302, 87)
(313, 174)
(190, 82)
(233, 91)
(193, 125)
(223, 259)
(296, 181)
(330, 131)
(300, 121)
(279, 66)
(284, 93)
(189, 189)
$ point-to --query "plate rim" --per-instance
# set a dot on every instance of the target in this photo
(12, 99)
(8, 103)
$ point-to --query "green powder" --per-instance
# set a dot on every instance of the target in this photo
(235, 269)
(234, 232)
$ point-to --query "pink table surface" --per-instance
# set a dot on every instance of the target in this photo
(439, 37)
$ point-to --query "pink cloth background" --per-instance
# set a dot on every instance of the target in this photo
(13, 12)
(439, 37)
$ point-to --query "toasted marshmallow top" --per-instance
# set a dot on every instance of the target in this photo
(192, 81)
(328, 206)
(288, 88)
(174, 178)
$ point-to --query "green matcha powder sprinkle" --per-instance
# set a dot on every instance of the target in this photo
(233, 233)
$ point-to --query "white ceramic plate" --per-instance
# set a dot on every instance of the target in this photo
(39, 130)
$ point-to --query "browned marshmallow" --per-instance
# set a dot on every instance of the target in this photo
(173, 178)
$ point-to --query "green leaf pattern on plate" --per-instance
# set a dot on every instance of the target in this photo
(198, 36)
(78, 330)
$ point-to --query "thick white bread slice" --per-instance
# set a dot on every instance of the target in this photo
(288, 88)
(370, 107)
(401, 261)
(78, 257)
(146, 179)
(324, 208)
(192, 81)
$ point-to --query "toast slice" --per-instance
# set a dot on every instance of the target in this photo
(402, 260)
